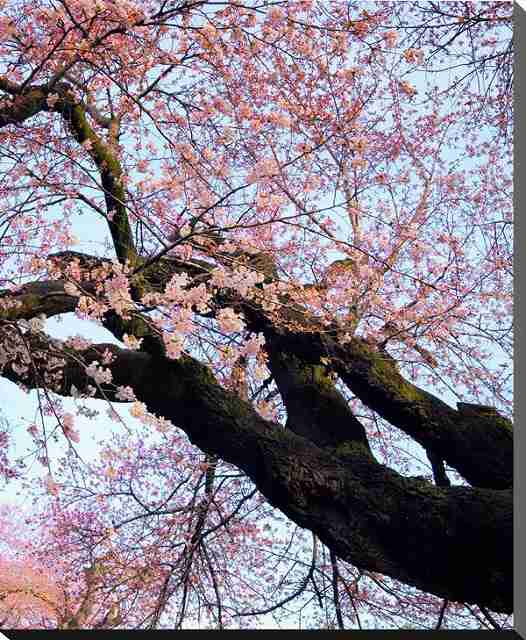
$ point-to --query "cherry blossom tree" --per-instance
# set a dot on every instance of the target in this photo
(301, 214)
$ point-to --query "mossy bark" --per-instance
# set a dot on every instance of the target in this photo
(111, 177)
(28, 102)
(316, 410)
(455, 542)
(479, 447)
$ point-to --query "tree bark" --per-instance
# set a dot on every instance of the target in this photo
(455, 542)
(478, 446)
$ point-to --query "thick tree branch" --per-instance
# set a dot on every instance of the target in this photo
(30, 300)
(367, 514)
(316, 410)
(29, 101)
(478, 445)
